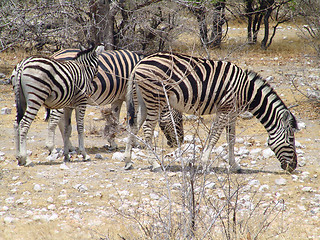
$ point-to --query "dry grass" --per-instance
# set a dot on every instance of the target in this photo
(113, 214)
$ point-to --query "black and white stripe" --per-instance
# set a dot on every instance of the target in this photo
(199, 86)
(55, 84)
(110, 87)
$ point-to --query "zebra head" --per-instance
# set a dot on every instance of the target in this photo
(282, 141)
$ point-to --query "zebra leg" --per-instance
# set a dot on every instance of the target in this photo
(54, 119)
(80, 112)
(216, 129)
(231, 137)
(133, 128)
(21, 131)
(17, 137)
(67, 121)
(115, 107)
(61, 126)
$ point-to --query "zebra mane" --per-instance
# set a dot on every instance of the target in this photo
(253, 76)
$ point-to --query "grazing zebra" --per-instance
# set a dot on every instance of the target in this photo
(44, 81)
(110, 88)
(200, 86)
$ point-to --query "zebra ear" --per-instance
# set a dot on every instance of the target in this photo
(100, 49)
(82, 48)
(286, 119)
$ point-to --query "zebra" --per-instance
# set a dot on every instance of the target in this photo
(44, 81)
(110, 88)
(201, 87)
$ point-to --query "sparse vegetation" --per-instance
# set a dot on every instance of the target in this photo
(190, 199)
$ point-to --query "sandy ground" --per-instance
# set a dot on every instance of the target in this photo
(100, 200)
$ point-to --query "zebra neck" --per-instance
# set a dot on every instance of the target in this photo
(265, 104)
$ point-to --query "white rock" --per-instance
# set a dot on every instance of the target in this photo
(53, 217)
(263, 187)
(123, 193)
(8, 220)
(281, 181)
(6, 110)
(301, 125)
(64, 166)
(307, 189)
(2, 154)
(5, 208)
(20, 201)
(221, 195)
(154, 196)
(267, 153)
(67, 202)
(80, 187)
(270, 78)
(191, 139)
(254, 182)
(255, 151)
(155, 134)
(51, 207)
(242, 151)
(176, 186)
(239, 140)
(299, 145)
(211, 185)
(118, 156)
(37, 188)
(50, 200)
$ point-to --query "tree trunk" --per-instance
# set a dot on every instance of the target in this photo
(249, 14)
(218, 21)
(203, 30)
(102, 31)
(266, 18)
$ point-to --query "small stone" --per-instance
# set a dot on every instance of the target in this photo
(263, 187)
(50, 200)
(51, 207)
(255, 151)
(8, 220)
(53, 217)
(267, 153)
(281, 181)
(98, 156)
(211, 185)
(154, 196)
(9, 200)
(301, 125)
(307, 189)
(5, 111)
(64, 166)
(37, 188)
(254, 182)
(80, 187)
(118, 156)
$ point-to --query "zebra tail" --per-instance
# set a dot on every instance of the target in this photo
(130, 101)
(48, 113)
(19, 96)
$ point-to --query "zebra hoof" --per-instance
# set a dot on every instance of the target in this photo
(128, 166)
